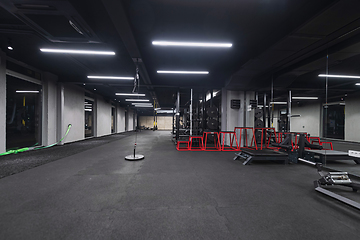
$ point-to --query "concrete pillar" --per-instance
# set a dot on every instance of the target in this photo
(60, 112)
(2, 102)
(49, 123)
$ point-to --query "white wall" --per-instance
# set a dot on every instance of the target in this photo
(49, 123)
(309, 120)
(103, 115)
(2, 102)
(352, 119)
(130, 120)
(120, 119)
(163, 122)
(74, 113)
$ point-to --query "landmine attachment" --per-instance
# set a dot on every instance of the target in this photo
(336, 178)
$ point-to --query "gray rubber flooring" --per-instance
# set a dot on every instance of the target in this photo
(96, 194)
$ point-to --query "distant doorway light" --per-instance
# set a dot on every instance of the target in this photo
(50, 50)
(192, 44)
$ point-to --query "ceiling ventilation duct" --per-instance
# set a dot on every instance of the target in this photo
(57, 21)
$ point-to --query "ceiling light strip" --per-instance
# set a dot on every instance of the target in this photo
(338, 76)
(183, 72)
(305, 98)
(49, 50)
(192, 44)
(110, 77)
(130, 94)
(24, 91)
(137, 100)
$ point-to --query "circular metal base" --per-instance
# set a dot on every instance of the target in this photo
(134, 158)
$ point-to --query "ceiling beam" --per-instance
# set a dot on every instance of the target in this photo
(120, 20)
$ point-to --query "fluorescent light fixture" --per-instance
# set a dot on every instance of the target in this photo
(21, 91)
(88, 110)
(76, 51)
(183, 72)
(148, 104)
(143, 106)
(130, 94)
(110, 77)
(338, 76)
(165, 111)
(157, 109)
(137, 100)
(192, 44)
(357, 84)
(305, 98)
(10, 48)
(278, 103)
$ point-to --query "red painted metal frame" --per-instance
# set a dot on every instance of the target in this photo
(201, 143)
(232, 137)
(246, 139)
(217, 146)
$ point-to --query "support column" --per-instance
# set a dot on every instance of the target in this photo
(60, 112)
(178, 116)
(2, 102)
(288, 112)
(49, 123)
(191, 112)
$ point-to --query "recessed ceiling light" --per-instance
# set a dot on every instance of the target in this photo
(357, 84)
(10, 48)
(305, 98)
(76, 51)
(25, 91)
(130, 94)
(137, 100)
(110, 77)
(183, 72)
(338, 76)
(192, 44)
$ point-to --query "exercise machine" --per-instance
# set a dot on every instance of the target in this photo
(336, 179)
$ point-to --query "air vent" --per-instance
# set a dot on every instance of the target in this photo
(58, 21)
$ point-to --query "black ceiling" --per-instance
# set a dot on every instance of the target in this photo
(281, 40)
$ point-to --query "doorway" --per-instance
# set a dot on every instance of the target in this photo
(23, 113)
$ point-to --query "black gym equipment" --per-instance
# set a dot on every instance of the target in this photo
(336, 179)
(250, 155)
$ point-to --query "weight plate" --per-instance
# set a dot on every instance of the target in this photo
(212, 124)
(259, 123)
(212, 112)
(258, 113)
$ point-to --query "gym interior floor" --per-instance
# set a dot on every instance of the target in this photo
(91, 192)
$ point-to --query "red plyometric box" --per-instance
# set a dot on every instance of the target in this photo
(216, 138)
(200, 141)
(232, 141)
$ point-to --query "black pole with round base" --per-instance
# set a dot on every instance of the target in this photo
(134, 157)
